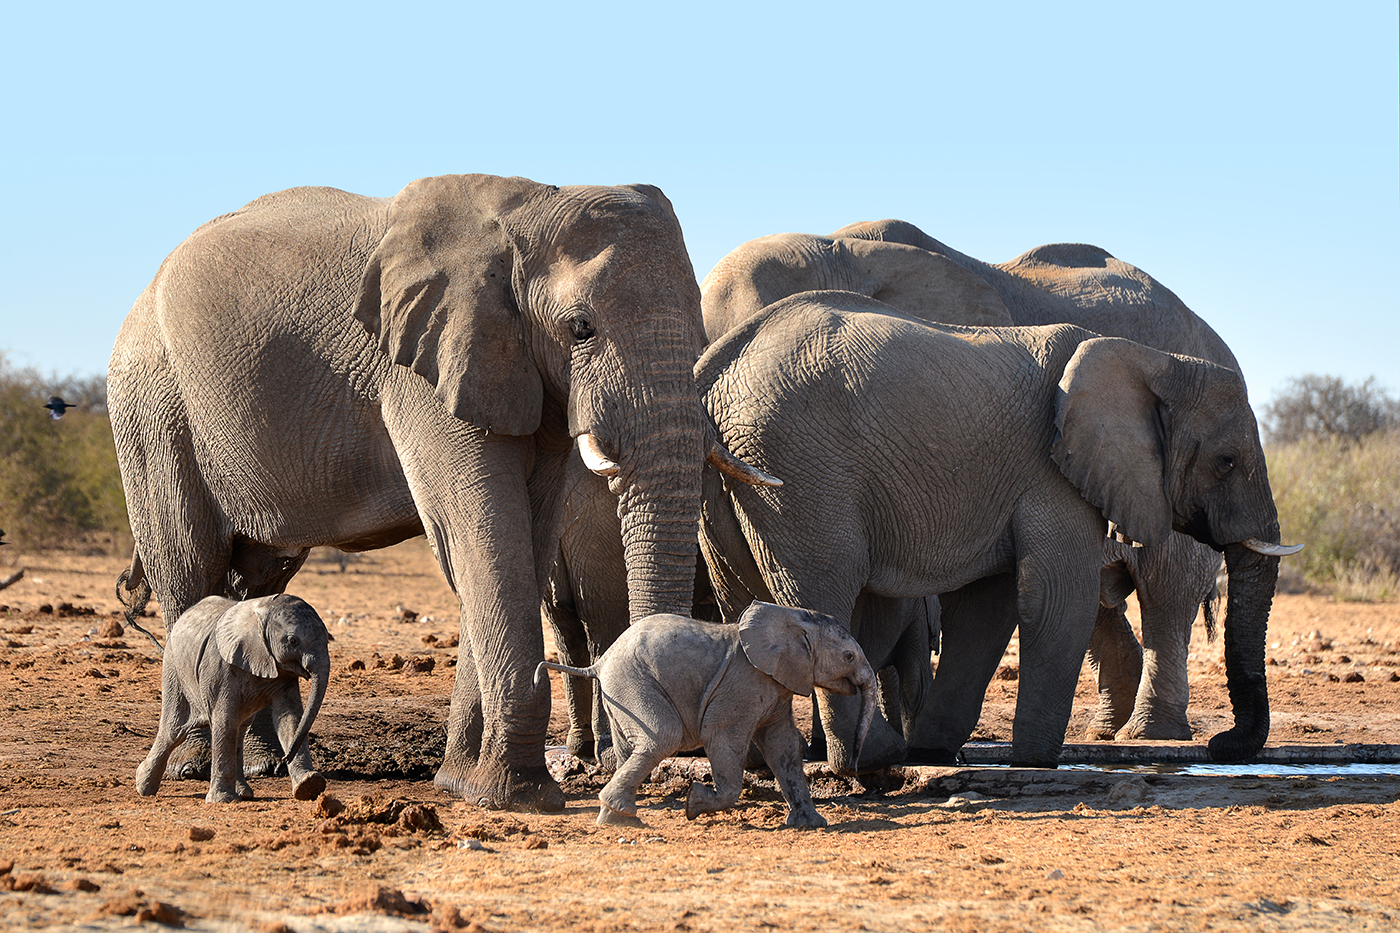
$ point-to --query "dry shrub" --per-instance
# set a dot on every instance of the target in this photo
(1341, 498)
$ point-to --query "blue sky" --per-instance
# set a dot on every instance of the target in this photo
(1247, 155)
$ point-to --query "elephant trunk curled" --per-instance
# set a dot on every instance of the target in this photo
(1252, 578)
(320, 679)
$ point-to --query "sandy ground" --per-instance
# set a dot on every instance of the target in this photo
(976, 848)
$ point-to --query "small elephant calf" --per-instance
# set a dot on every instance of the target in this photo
(672, 684)
(224, 661)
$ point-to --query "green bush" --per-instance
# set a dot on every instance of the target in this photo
(59, 481)
(1341, 498)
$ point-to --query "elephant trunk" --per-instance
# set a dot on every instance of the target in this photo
(869, 687)
(1252, 577)
(660, 540)
(320, 679)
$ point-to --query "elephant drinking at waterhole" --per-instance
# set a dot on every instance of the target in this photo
(980, 463)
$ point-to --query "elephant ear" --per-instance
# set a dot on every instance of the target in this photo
(241, 637)
(778, 645)
(438, 294)
(1111, 436)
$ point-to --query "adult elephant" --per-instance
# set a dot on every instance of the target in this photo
(586, 596)
(1143, 688)
(982, 463)
(323, 368)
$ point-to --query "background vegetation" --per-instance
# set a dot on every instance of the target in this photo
(1333, 449)
(59, 483)
(1334, 464)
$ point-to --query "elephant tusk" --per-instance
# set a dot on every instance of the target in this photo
(1271, 550)
(727, 463)
(593, 457)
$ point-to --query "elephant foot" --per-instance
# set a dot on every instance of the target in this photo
(228, 795)
(1235, 746)
(528, 790)
(262, 755)
(148, 779)
(190, 762)
(942, 757)
(805, 818)
(311, 786)
(1154, 727)
(582, 745)
(607, 816)
(1100, 733)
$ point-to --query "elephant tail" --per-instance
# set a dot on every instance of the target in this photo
(133, 583)
(540, 675)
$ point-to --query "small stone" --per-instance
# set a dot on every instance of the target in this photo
(110, 628)
(201, 834)
(1354, 678)
(355, 665)
(1007, 672)
(536, 842)
(81, 884)
(1055, 875)
(1393, 678)
(473, 844)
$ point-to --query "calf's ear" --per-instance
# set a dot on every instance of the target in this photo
(241, 636)
(777, 644)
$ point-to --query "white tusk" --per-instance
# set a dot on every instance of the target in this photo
(731, 465)
(1271, 550)
(593, 457)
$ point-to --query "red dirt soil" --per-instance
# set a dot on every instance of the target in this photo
(919, 848)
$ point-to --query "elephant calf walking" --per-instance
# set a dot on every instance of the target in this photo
(224, 662)
(672, 684)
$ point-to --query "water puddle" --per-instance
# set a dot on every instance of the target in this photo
(1253, 769)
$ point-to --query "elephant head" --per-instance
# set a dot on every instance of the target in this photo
(801, 650)
(1160, 443)
(279, 636)
(515, 299)
(910, 279)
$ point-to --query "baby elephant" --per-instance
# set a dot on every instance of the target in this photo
(672, 684)
(224, 661)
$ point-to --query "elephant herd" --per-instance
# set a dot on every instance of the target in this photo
(934, 450)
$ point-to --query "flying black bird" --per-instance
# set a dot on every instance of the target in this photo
(57, 407)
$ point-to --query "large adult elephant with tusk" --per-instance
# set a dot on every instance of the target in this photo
(323, 368)
(1143, 688)
(981, 463)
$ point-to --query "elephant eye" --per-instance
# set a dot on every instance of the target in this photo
(292, 641)
(1224, 465)
(581, 327)
(850, 655)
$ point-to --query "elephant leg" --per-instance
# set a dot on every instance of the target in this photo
(174, 726)
(618, 799)
(573, 651)
(226, 762)
(1115, 657)
(726, 753)
(307, 782)
(913, 665)
(1058, 598)
(977, 622)
(476, 509)
(781, 746)
(816, 746)
(1175, 579)
(839, 715)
